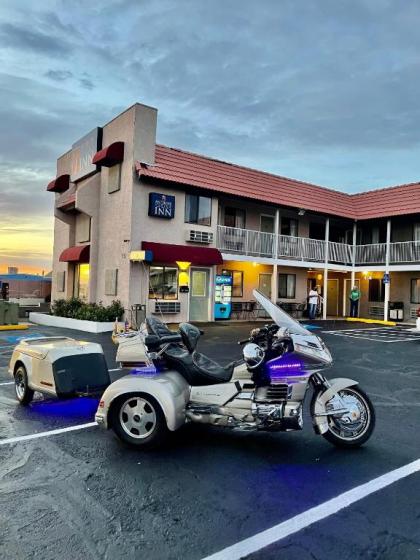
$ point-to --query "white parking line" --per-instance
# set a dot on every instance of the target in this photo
(311, 516)
(7, 383)
(47, 434)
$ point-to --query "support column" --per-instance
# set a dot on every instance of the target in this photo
(353, 258)
(274, 276)
(325, 290)
(388, 285)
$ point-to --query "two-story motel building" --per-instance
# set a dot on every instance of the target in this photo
(138, 221)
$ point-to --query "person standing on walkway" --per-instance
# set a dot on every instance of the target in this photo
(354, 301)
(313, 300)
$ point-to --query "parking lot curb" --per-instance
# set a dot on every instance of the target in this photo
(20, 327)
(371, 321)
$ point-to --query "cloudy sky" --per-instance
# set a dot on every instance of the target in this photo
(321, 90)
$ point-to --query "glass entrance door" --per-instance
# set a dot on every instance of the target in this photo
(81, 281)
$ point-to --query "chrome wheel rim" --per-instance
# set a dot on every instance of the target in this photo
(355, 423)
(137, 417)
(20, 385)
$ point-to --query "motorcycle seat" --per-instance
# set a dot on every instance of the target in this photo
(196, 368)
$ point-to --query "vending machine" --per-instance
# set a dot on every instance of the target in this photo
(223, 296)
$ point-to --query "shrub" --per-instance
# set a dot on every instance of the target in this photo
(75, 308)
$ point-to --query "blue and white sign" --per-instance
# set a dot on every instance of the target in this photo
(386, 279)
(161, 205)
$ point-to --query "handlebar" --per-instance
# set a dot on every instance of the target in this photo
(240, 342)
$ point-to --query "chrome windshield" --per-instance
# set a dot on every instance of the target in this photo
(280, 317)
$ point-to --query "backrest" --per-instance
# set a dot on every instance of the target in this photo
(190, 335)
(155, 326)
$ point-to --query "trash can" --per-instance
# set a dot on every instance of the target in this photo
(396, 310)
(138, 314)
(10, 313)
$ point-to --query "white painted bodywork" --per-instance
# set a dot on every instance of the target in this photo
(38, 355)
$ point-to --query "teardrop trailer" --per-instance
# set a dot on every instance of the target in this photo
(58, 367)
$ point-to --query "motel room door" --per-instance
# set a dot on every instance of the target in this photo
(200, 294)
(332, 297)
(267, 226)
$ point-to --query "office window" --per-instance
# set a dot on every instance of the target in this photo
(197, 210)
(287, 286)
(415, 290)
(289, 226)
(237, 282)
(111, 282)
(114, 178)
(376, 290)
(234, 217)
(163, 282)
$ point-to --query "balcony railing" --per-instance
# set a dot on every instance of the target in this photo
(371, 254)
(260, 244)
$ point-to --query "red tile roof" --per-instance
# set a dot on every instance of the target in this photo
(185, 168)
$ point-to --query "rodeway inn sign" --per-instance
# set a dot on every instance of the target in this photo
(161, 205)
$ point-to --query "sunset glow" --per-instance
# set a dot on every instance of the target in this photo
(27, 245)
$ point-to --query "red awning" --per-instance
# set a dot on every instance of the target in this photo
(167, 253)
(60, 184)
(109, 156)
(78, 254)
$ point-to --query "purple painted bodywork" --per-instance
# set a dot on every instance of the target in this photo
(282, 368)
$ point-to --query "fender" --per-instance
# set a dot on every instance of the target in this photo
(19, 356)
(318, 406)
(170, 390)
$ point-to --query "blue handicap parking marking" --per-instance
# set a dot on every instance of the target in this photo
(17, 338)
(311, 327)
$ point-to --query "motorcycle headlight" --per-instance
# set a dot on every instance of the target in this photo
(253, 355)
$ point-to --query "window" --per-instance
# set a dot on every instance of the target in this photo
(81, 281)
(61, 281)
(237, 282)
(199, 283)
(289, 226)
(235, 217)
(163, 282)
(317, 230)
(114, 178)
(111, 282)
(197, 210)
(415, 290)
(264, 284)
(83, 228)
(287, 286)
(376, 290)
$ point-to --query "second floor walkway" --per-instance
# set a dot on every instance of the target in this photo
(253, 243)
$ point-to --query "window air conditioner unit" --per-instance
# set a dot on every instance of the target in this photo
(195, 236)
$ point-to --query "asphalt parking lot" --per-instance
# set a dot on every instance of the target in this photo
(82, 494)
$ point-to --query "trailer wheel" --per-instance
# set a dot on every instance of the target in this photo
(23, 393)
(138, 420)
